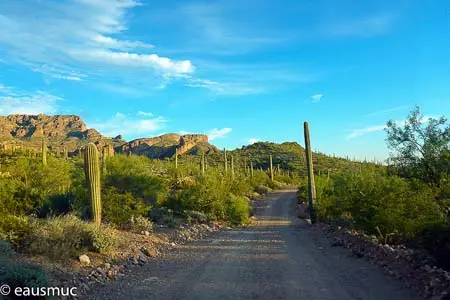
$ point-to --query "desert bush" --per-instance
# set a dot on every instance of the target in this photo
(67, 237)
(377, 203)
(193, 216)
(119, 208)
(14, 229)
(139, 224)
(17, 274)
(262, 190)
(435, 238)
(6, 249)
(237, 209)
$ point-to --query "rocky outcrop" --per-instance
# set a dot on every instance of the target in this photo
(39, 126)
(60, 131)
(166, 145)
(189, 141)
(71, 133)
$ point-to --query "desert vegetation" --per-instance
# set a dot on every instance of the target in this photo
(405, 202)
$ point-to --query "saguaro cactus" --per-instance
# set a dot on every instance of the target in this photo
(271, 168)
(232, 166)
(104, 159)
(176, 158)
(92, 170)
(309, 166)
(44, 153)
(65, 155)
(251, 169)
(225, 159)
(203, 165)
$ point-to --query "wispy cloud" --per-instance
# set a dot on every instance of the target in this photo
(82, 37)
(145, 114)
(218, 133)
(386, 111)
(223, 88)
(363, 131)
(129, 126)
(355, 133)
(367, 26)
(253, 141)
(316, 98)
(13, 101)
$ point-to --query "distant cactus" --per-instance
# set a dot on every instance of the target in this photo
(65, 154)
(309, 165)
(203, 165)
(110, 150)
(104, 159)
(251, 169)
(271, 168)
(232, 166)
(92, 170)
(176, 158)
(225, 159)
(44, 153)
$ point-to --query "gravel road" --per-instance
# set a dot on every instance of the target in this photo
(277, 257)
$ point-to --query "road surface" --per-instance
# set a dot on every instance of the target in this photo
(275, 258)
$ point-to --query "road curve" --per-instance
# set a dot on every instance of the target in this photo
(275, 258)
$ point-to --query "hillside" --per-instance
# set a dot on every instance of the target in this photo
(59, 131)
(165, 146)
(70, 132)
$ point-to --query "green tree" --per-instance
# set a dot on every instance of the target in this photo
(421, 147)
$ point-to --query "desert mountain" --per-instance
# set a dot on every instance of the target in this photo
(69, 131)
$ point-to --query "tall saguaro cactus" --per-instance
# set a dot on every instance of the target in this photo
(176, 158)
(232, 166)
(44, 153)
(225, 159)
(92, 170)
(203, 165)
(251, 169)
(65, 154)
(271, 168)
(309, 166)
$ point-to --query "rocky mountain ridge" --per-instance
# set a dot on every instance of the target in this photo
(21, 131)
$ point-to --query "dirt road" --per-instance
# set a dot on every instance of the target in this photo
(276, 258)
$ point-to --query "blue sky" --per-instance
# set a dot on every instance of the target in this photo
(239, 71)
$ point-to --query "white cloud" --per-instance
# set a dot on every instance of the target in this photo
(229, 89)
(218, 133)
(129, 126)
(13, 101)
(78, 38)
(386, 111)
(143, 113)
(316, 98)
(253, 141)
(363, 131)
(183, 132)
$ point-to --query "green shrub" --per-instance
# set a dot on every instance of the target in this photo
(119, 208)
(16, 274)
(101, 240)
(67, 237)
(6, 249)
(237, 209)
(14, 229)
(435, 238)
(262, 190)
(376, 202)
(139, 224)
(193, 216)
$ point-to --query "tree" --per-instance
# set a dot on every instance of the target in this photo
(421, 147)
